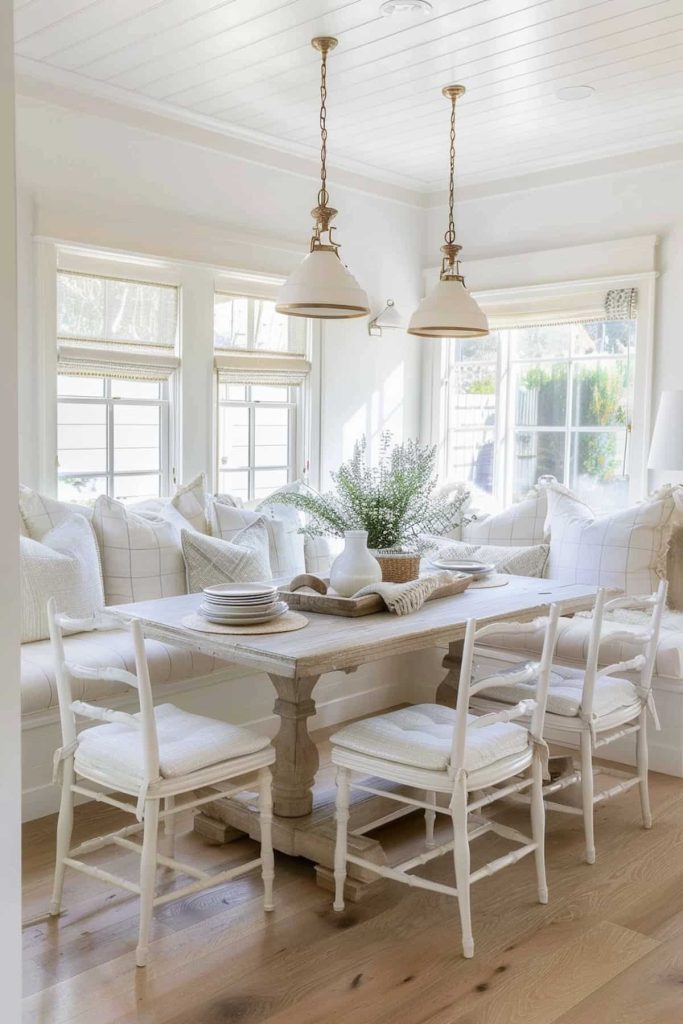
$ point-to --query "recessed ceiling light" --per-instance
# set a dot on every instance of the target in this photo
(420, 7)
(575, 92)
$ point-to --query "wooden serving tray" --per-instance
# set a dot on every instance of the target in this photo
(307, 600)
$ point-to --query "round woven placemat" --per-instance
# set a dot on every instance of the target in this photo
(496, 579)
(285, 624)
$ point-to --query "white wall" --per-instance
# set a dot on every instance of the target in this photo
(645, 201)
(10, 786)
(90, 179)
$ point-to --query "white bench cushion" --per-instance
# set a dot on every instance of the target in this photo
(187, 743)
(564, 693)
(113, 648)
(573, 638)
(422, 736)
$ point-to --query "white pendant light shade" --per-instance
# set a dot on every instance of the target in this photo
(449, 311)
(322, 287)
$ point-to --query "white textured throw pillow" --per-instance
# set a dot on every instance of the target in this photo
(193, 503)
(141, 554)
(285, 543)
(625, 549)
(64, 565)
(521, 561)
(519, 525)
(40, 513)
(210, 561)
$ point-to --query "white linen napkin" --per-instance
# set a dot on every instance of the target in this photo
(404, 598)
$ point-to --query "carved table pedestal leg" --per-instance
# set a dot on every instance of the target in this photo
(447, 690)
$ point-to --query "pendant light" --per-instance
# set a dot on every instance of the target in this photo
(322, 287)
(449, 311)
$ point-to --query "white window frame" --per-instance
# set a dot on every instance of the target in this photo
(294, 406)
(531, 297)
(192, 433)
(110, 403)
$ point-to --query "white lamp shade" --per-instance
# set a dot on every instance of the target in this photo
(322, 287)
(666, 449)
(449, 311)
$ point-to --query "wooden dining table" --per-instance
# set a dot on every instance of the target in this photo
(295, 661)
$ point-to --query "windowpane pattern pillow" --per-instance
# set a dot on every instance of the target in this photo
(64, 565)
(521, 561)
(40, 514)
(519, 525)
(192, 502)
(625, 549)
(141, 554)
(210, 561)
(285, 543)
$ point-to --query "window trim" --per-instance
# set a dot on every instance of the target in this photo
(436, 360)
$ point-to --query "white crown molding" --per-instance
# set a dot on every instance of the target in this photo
(39, 81)
(616, 164)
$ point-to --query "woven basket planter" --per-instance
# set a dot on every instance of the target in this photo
(398, 566)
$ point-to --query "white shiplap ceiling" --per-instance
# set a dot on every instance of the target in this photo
(246, 68)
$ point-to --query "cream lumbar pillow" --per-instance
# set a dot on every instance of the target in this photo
(41, 514)
(141, 554)
(65, 565)
(285, 542)
(625, 549)
(210, 561)
(528, 560)
(520, 525)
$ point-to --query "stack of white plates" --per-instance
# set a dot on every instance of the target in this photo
(241, 604)
(468, 565)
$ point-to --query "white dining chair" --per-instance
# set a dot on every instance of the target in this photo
(444, 750)
(154, 756)
(592, 707)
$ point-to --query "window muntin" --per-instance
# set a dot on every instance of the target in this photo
(256, 438)
(112, 438)
(553, 400)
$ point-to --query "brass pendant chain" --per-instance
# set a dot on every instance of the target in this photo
(323, 195)
(449, 237)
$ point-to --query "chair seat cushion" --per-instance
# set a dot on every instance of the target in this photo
(421, 736)
(187, 743)
(572, 644)
(105, 649)
(564, 692)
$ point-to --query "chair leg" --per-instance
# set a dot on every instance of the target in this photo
(148, 870)
(461, 857)
(342, 807)
(169, 827)
(587, 794)
(266, 822)
(64, 829)
(538, 827)
(430, 819)
(642, 761)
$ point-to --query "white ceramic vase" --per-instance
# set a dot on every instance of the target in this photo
(355, 567)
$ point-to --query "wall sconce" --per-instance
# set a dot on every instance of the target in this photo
(387, 318)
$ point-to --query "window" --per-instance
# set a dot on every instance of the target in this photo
(535, 400)
(251, 324)
(262, 375)
(256, 438)
(116, 343)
